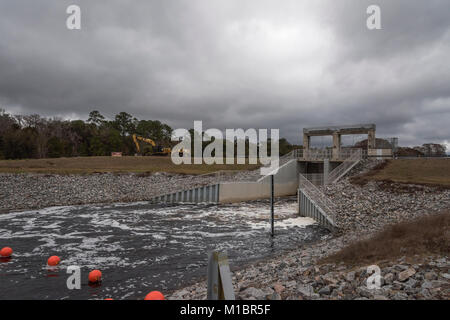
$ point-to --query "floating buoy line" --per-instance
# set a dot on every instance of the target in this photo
(95, 276)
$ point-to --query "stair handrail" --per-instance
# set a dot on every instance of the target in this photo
(318, 197)
(355, 156)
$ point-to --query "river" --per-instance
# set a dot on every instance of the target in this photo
(139, 247)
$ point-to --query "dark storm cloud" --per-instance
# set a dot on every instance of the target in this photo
(233, 64)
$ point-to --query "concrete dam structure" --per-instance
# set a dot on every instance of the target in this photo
(300, 173)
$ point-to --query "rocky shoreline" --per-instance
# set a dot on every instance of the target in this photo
(298, 276)
(27, 191)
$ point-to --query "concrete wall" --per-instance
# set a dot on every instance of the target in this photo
(287, 173)
(285, 184)
(243, 191)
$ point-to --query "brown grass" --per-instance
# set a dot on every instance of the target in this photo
(429, 172)
(362, 179)
(423, 236)
(88, 165)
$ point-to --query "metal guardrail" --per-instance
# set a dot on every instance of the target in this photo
(317, 154)
(347, 153)
(354, 157)
(321, 154)
(294, 154)
(318, 198)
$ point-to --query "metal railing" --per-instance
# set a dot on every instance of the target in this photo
(354, 156)
(321, 154)
(347, 153)
(294, 154)
(318, 197)
(317, 154)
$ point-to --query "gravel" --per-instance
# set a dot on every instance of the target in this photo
(309, 281)
(376, 204)
(33, 191)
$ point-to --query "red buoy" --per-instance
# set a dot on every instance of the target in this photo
(6, 252)
(53, 261)
(155, 295)
(109, 299)
(95, 276)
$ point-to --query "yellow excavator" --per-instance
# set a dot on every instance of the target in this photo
(156, 149)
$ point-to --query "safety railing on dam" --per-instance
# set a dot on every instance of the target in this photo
(322, 154)
(354, 156)
(315, 204)
(294, 154)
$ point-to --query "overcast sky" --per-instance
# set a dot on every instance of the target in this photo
(233, 63)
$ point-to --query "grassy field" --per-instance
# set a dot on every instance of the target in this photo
(415, 171)
(423, 236)
(88, 165)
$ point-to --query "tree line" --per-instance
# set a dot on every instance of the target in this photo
(34, 136)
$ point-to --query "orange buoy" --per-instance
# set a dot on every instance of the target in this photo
(155, 295)
(109, 299)
(53, 261)
(95, 276)
(6, 252)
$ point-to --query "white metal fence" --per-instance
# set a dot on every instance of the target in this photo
(354, 156)
(318, 198)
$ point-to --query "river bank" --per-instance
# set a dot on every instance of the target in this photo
(298, 276)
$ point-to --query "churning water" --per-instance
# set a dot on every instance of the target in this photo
(139, 247)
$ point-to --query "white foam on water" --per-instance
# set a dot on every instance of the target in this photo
(159, 236)
(110, 223)
(220, 234)
(98, 246)
(295, 222)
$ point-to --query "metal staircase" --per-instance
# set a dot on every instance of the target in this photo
(315, 204)
(352, 160)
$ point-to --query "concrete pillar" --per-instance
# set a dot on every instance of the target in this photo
(306, 143)
(326, 170)
(371, 140)
(336, 145)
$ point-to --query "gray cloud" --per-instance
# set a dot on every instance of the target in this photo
(233, 63)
